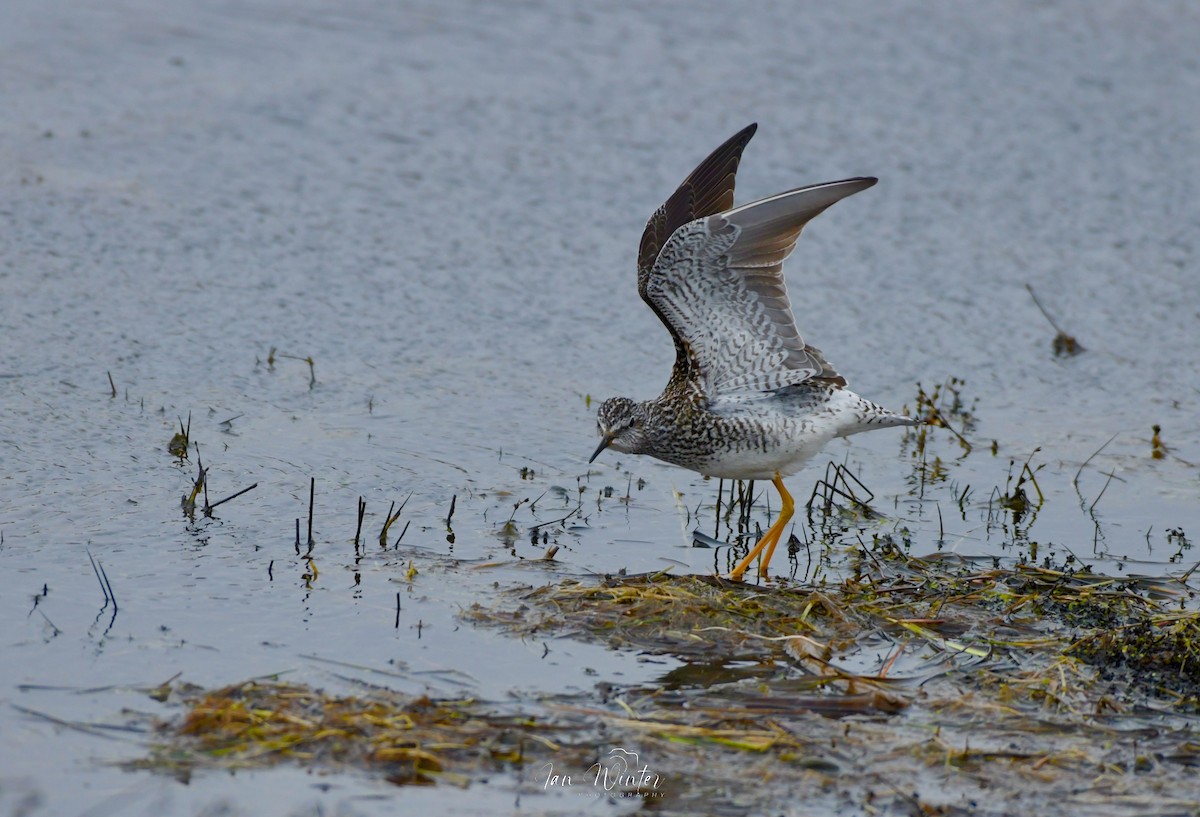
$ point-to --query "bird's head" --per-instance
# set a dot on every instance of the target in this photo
(621, 424)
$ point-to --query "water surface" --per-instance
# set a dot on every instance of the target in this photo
(440, 205)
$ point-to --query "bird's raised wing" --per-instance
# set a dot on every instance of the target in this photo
(706, 191)
(718, 285)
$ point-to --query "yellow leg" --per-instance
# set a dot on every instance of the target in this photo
(771, 538)
(785, 516)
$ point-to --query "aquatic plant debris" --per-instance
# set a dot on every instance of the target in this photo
(917, 685)
(948, 613)
(410, 740)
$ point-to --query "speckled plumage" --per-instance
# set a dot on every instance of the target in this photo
(747, 398)
(742, 437)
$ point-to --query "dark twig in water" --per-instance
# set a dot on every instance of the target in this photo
(54, 627)
(744, 502)
(1025, 469)
(362, 509)
(103, 587)
(111, 384)
(1184, 578)
(1064, 344)
(1075, 481)
(390, 520)
(449, 516)
(962, 499)
(101, 731)
(208, 509)
(312, 369)
(312, 493)
(511, 516)
(1102, 490)
(106, 588)
(533, 505)
(206, 505)
(837, 483)
(397, 609)
(555, 521)
(717, 521)
(297, 536)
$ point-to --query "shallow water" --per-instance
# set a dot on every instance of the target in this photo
(440, 204)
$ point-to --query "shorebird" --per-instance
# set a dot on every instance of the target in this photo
(747, 398)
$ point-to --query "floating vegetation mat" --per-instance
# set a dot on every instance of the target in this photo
(897, 622)
(911, 686)
(408, 740)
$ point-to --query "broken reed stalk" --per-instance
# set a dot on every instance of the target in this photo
(312, 367)
(312, 492)
(837, 476)
(1075, 481)
(387, 523)
(561, 519)
(362, 510)
(744, 502)
(111, 384)
(209, 508)
(450, 531)
(96, 570)
(198, 462)
(105, 584)
(390, 520)
(1063, 344)
(717, 521)
(1111, 474)
(516, 507)
(1042, 309)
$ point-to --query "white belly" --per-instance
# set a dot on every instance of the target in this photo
(776, 436)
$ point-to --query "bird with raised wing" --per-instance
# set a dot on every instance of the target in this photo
(747, 398)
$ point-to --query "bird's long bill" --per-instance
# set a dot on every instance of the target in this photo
(604, 443)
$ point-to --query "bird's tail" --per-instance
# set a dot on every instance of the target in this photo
(869, 416)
